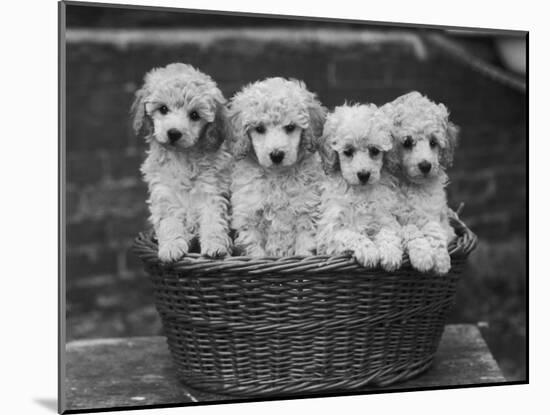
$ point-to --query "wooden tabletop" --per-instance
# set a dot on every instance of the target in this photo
(138, 371)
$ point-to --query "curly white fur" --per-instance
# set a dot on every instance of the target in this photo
(424, 141)
(181, 113)
(275, 181)
(359, 196)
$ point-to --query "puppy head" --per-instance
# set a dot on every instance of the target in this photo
(180, 108)
(423, 138)
(278, 119)
(355, 139)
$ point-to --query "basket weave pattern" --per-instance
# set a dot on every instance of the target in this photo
(251, 326)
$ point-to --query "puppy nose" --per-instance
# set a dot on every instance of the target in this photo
(174, 135)
(363, 176)
(425, 166)
(277, 156)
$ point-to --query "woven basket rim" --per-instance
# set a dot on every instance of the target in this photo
(146, 247)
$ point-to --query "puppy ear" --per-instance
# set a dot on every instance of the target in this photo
(317, 115)
(385, 118)
(329, 157)
(237, 138)
(399, 106)
(141, 121)
(391, 160)
(215, 132)
(413, 95)
(447, 153)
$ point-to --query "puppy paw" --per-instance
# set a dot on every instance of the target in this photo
(255, 251)
(213, 250)
(421, 260)
(390, 258)
(442, 262)
(173, 250)
(367, 255)
(421, 255)
(305, 245)
(305, 251)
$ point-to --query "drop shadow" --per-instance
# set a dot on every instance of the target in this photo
(48, 403)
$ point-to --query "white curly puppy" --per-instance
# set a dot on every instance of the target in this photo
(359, 196)
(424, 142)
(275, 182)
(180, 111)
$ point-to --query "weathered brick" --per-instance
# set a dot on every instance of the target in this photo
(133, 264)
(123, 230)
(98, 118)
(144, 320)
(477, 187)
(489, 225)
(83, 291)
(511, 178)
(84, 168)
(112, 300)
(87, 231)
(375, 70)
(105, 132)
(125, 164)
(114, 200)
(469, 157)
(95, 323)
(94, 282)
(98, 260)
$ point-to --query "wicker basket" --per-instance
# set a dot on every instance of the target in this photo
(249, 326)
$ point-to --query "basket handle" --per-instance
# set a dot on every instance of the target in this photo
(459, 226)
(467, 237)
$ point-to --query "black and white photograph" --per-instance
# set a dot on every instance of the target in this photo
(266, 207)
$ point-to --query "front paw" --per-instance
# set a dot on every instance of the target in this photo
(307, 248)
(173, 250)
(215, 249)
(367, 255)
(442, 261)
(421, 259)
(255, 251)
(391, 258)
(305, 252)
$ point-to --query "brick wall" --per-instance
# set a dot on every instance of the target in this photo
(108, 293)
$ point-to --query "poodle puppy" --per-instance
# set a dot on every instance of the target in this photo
(275, 183)
(359, 196)
(181, 113)
(423, 144)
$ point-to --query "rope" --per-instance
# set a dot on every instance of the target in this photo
(475, 63)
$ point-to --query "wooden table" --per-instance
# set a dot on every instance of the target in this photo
(138, 371)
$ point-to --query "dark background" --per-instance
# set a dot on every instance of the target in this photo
(108, 294)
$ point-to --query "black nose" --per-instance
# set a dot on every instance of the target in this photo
(425, 166)
(277, 156)
(363, 176)
(174, 135)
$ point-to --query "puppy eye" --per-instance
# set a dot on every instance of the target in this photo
(260, 129)
(163, 109)
(433, 143)
(373, 151)
(348, 152)
(408, 143)
(289, 128)
(194, 116)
